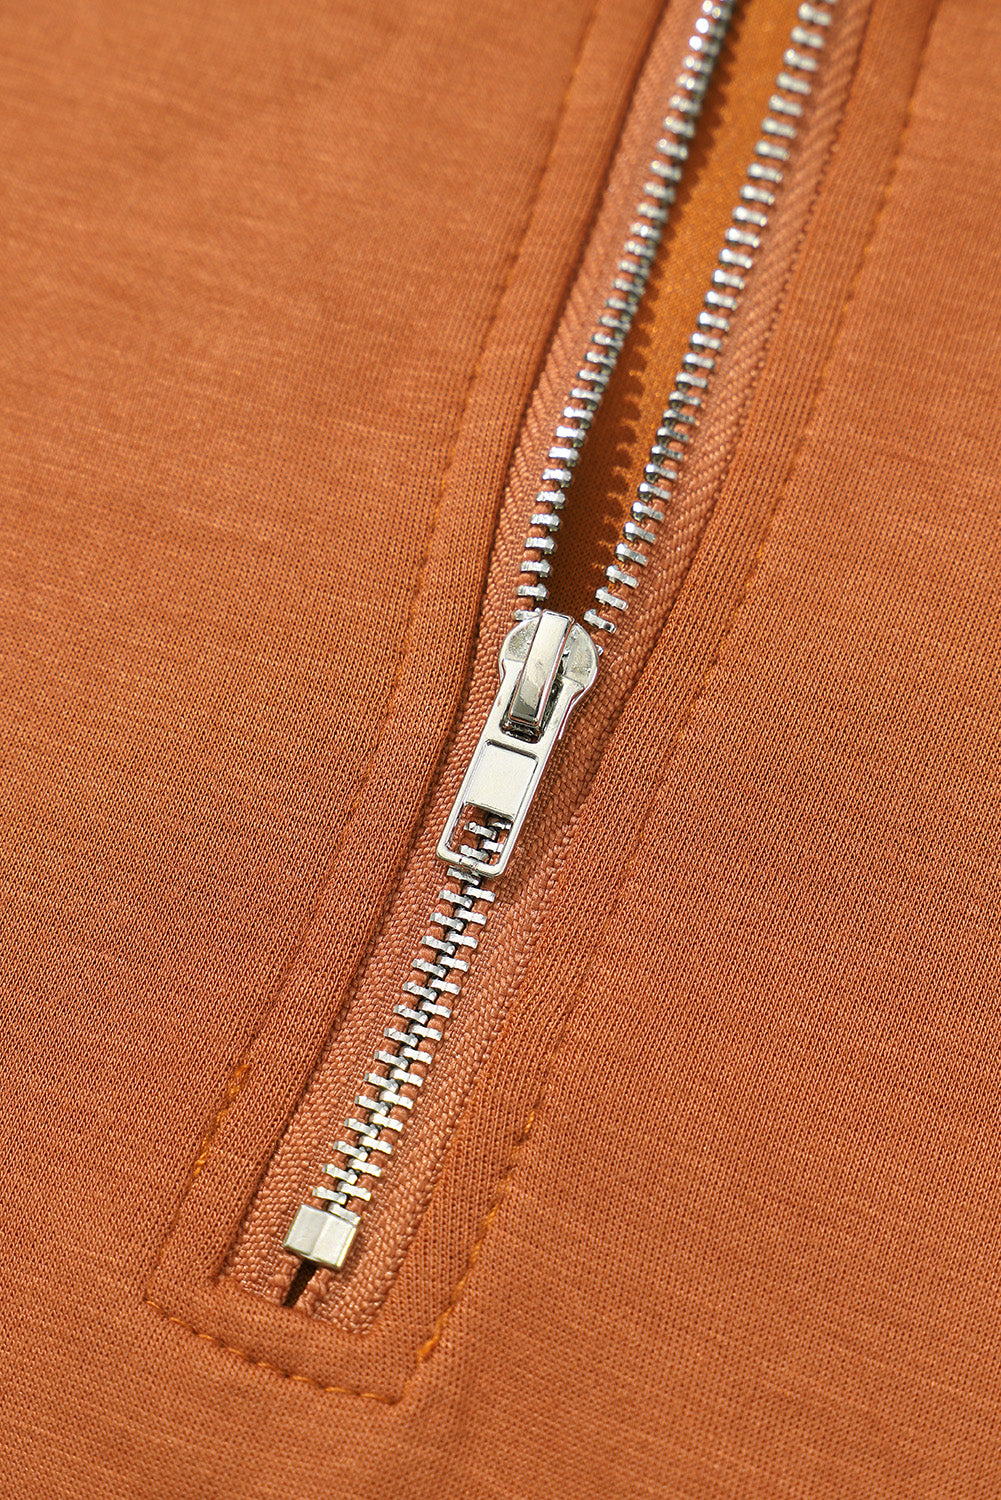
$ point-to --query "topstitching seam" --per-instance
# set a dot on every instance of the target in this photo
(242, 1068)
(714, 662)
(437, 1331)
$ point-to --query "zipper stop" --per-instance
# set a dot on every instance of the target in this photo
(322, 1235)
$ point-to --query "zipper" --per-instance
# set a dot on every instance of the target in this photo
(548, 661)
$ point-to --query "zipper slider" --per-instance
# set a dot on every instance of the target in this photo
(547, 663)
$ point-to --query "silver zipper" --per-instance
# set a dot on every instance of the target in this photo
(632, 273)
(749, 220)
(548, 661)
(547, 664)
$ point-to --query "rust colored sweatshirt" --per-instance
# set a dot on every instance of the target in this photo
(669, 1157)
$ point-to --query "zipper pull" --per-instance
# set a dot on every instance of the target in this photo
(547, 663)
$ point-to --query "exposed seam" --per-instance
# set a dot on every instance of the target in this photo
(425, 1350)
(243, 1067)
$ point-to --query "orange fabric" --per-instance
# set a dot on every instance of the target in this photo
(419, 1288)
(709, 1203)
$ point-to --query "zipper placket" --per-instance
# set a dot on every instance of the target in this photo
(548, 661)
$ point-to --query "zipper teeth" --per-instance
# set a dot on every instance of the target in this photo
(390, 1089)
(464, 904)
(759, 192)
(632, 273)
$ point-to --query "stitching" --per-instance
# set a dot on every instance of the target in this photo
(425, 1350)
(700, 692)
(499, 1194)
(438, 1328)
(254, 1360)
(243, 1067)
(727, 634)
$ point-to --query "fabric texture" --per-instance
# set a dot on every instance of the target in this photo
(713, 1212)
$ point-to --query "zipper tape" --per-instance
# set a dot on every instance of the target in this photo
(187, 1285)
(632, 274)
(547, 661)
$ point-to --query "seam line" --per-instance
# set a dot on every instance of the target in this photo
(240, 1072)
(425, 1350)
(725, 637)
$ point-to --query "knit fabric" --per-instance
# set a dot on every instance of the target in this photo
(704, 1204)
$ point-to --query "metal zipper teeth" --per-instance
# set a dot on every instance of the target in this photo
(399, 1069)
(391, 1088)
(631, 276)
(758, 194)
